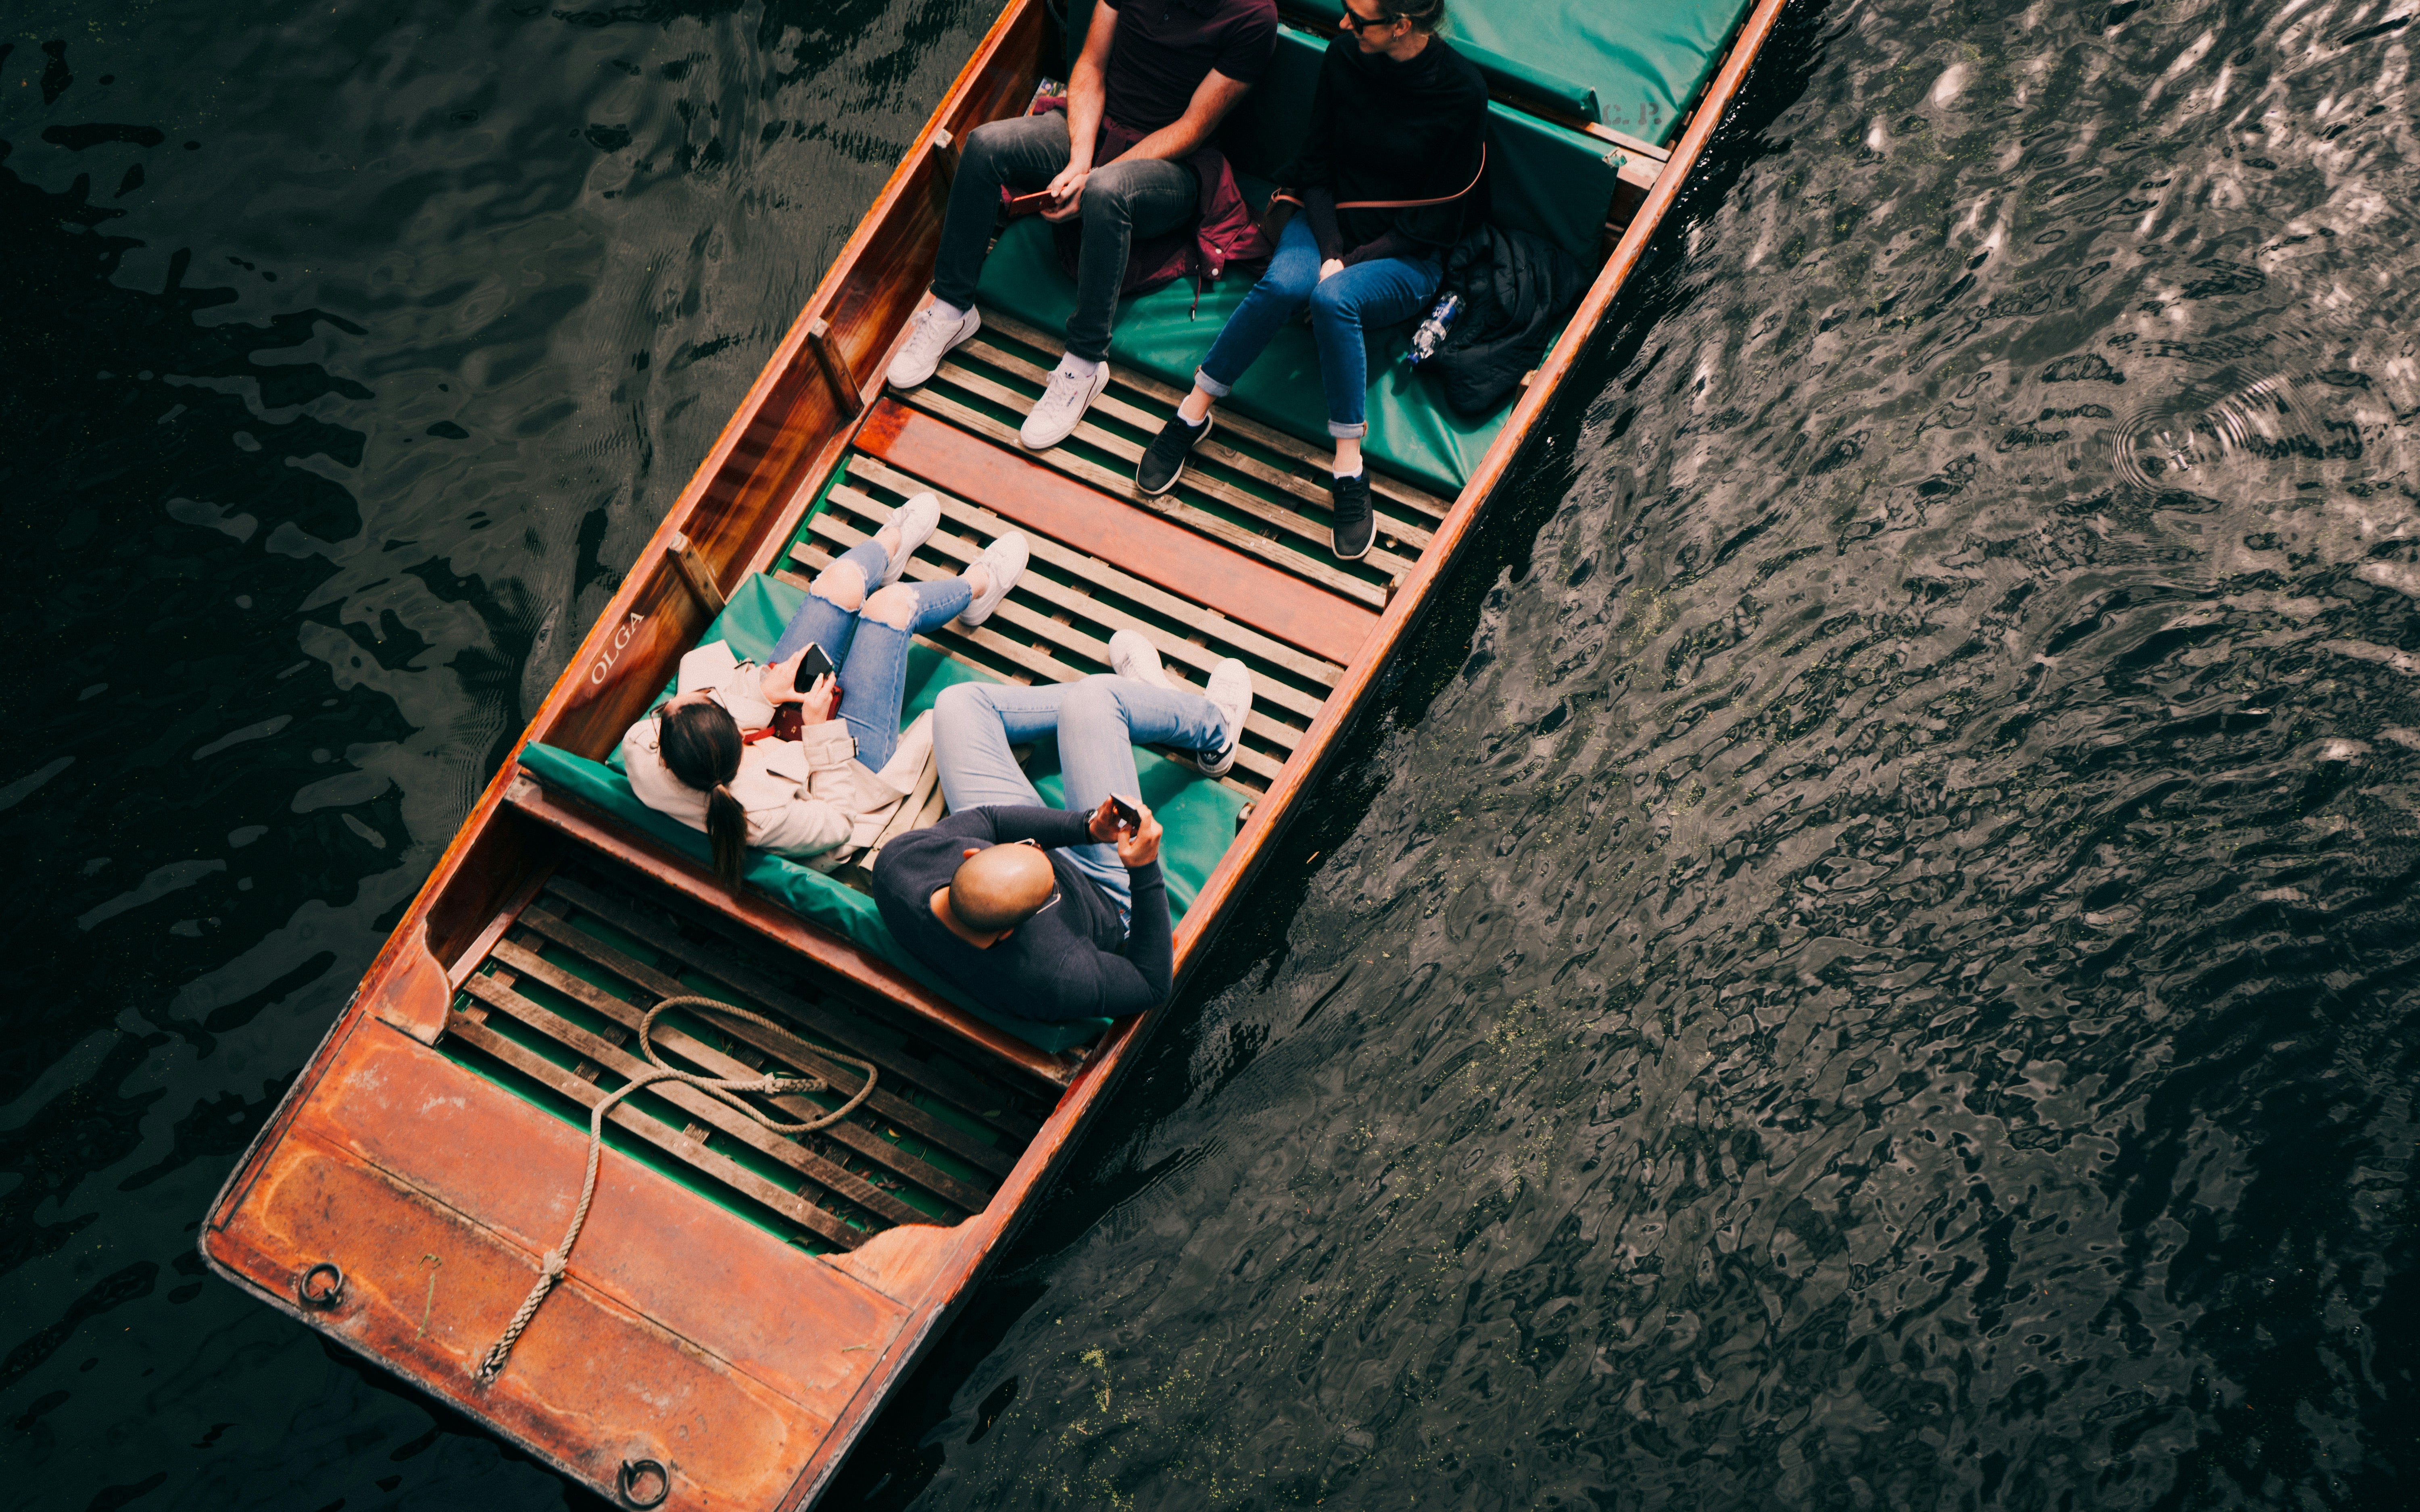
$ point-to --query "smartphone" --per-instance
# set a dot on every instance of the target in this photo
(812, 664)
(1126, 815)
(1027, 203)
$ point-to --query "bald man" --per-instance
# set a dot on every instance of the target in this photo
(992, 899)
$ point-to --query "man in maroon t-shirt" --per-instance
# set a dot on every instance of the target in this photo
(1158, 74)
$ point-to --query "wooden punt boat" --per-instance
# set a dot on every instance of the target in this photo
(741, 1302)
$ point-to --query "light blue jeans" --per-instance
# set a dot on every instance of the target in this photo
(1382, 292)
(1098, 721)
(872, 657)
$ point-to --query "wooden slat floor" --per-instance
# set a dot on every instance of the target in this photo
(569, 970)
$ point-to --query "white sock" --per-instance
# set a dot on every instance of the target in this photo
(1355, 473)
(1075, 366)
(944, 310)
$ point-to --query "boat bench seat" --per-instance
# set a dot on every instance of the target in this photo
(1197, 814)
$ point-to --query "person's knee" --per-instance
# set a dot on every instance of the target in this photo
(841, 585)
(1108, 199)
(1091, 698)
(983, 144)
(894, 606)
(1331, 302)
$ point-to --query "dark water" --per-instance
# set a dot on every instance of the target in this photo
(1866, 958)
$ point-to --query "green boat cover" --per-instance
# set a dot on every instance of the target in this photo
(1197, 814)
(1635, 67)
(1547, 179)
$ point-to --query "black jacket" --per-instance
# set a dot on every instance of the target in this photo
(1517, 290)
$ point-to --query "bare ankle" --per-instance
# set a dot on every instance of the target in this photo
(978, 580)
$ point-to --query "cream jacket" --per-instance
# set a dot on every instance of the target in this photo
(809, 799)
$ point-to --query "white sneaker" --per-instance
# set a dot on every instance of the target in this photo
(1056, 414)
(1004, 560)
(915, 521)
(1132, 654)
(929, 340)
(1230, 690)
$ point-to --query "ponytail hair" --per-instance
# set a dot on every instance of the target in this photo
(1424, 15)
(700, 744)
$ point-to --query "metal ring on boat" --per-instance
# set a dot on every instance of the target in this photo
(321, 1296)
(634, 1473)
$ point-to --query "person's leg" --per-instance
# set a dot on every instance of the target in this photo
(1278, 298)
(875, 677)
(974, 726)
(828, 617)
(1363, 297)
(1023, 154)
(1131, 197)
(1102, 718)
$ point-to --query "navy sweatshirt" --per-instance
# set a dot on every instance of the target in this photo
(1070, 961)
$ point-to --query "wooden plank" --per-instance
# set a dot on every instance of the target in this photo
(664, 1137)
(714, 1114)
(788, 1049)
(696, 572)
(1036, 658)
(834, 363)
(1312, 490)
(1116, 486)
(1415, 499)
(493, 930)
(1636, 147)
(991, 1102)
(1032, 496)
(877, 978)
(1067, 598)
(1246, 641)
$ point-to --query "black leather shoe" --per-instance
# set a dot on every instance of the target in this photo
(1355, 525)
(1163, 460)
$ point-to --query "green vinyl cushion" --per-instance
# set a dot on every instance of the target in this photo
(1643, 64)
(1197, 815)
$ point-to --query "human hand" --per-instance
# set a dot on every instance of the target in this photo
(1140, 848)
(779, 684)
(1329, 269)
(816, 704)
(1066, 193)
(1104, 825)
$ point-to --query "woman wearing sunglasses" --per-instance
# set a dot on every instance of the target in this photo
(1388, 179)
(708, 757)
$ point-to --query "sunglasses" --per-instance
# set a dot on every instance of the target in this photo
(1353, 23)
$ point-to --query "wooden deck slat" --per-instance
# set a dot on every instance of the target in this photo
(670, 1141)
(942, 1076)
(1306, 489)
(828, 528)
(1064, 596)
(713, 1112)
(1027, 494)
(1119, 488)
(1038, 661)
(1418, 499)
(1245, 640)
(792, 1052)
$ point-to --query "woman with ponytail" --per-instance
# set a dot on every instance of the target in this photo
(711, 758)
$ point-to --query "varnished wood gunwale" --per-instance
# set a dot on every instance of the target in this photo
(739, 513)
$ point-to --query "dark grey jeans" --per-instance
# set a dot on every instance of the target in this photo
(1131, 197)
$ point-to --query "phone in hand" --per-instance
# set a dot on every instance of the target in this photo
(1040, 199)
(812, 663)
(1126, 815)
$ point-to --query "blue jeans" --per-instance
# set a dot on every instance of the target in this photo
(1099, 720)
(1382, 292)
(872, 657)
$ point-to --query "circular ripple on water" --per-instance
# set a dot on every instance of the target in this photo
(2218, 431)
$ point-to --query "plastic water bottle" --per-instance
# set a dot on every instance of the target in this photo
(1431, 334)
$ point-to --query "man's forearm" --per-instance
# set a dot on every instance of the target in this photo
(1084, 96)
(1179, 138)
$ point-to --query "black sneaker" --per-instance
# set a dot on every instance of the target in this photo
(1163, 460)
(1355, 525)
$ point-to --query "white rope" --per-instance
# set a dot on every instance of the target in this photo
(724, 1088)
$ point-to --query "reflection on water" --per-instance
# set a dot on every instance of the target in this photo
(1865, 959)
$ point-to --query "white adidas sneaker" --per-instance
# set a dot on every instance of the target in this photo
(1132, 654)
(1061, 408)
(1230, 690)
(930, 337)
(1004, 561)
(915, 521)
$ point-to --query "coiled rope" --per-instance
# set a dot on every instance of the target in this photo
(724, 1088)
